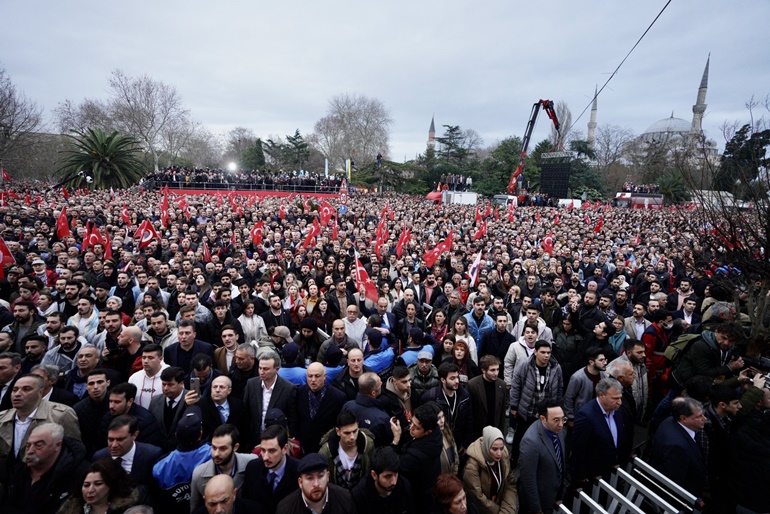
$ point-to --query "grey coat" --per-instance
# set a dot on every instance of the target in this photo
(540, 481)
(204, 472)
(524, 383)
(580, 391)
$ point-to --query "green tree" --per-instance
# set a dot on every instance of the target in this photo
(452, 145)
(296, 150)
(673, 188)
(401, 177)
(583, 177)
(496, 169)
(110, 160)
(744, 156)
(254, 156)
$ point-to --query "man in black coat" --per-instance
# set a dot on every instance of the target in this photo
(675, 449)
(169, 407)
(121, 440)
(496, 342)
(598, 435)
(121, 401)
(384, 490)
(420, 458)
(220, 407)
(316, 493)
(273, 461)
(282, 394)
(181, 353)
(318, 405)
(455, 401)
(92, 408)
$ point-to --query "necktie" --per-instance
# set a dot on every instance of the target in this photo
(222, 413)
(271, 480)
(168, 414)
(557, 449)
(119, 460)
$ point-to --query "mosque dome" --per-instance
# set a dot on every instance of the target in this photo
(667, 129)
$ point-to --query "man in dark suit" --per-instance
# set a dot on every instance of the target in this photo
(273, 476)
(268, 391)
(134, 457)
(318, 405)
(220, 407)
(542, 460)
(50, 374)
(676, 450)
(488, 396)
(169, 407)
(10, 371)
(598, 434)
(121, 401)
(181, 353)
(388, 318)
(688, 314)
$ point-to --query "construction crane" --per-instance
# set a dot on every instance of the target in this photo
(547, 106)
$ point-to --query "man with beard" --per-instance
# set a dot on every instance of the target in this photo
(69, 303)
(93, 407)
(34, 348)
(125, 291)
(582, 384)
(634, 355)
(224, 461)
(315, 492)
(26, 322)
(137, 459)
(63, 355)
(383, 490)
(102, 294)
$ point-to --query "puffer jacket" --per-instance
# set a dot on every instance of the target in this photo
(330, 446)
(421, 384)
(479, 482)
(524, 382)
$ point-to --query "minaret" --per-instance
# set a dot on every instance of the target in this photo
(432, 134)
(592, 123)
(700, 104)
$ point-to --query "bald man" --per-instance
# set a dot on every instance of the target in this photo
(219, 497)
(318, 405)
(130, 360)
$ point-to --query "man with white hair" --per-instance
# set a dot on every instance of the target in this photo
(53, 464)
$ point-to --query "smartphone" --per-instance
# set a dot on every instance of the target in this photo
(195, 385)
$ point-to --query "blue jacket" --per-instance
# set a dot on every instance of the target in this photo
(372, 416)
(331, 373)
(487, 325)
(177, 467)
(297, 376)
(410, 356)
(380, 361)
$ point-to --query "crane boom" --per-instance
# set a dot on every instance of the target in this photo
(547, 106)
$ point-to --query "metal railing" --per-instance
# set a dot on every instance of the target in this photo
(245, 186)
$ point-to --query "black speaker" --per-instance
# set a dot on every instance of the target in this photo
(554, 179)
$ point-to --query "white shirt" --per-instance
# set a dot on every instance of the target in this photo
(20, 431)
(147, 388)
(639, 328)
(229, 357)
(691, 433)
(267, 393)
(355, 331)
(128, 459)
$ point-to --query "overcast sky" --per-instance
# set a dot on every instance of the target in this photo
(272, 66)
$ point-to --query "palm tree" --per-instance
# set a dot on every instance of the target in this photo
(102, 160)
(673, 188)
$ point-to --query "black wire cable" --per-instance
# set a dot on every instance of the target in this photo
(619, 65)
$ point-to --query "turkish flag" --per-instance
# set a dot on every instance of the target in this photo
(315, 231)
(431, 256)
(548, 243)
(206, 253)
(488, 212)
(86, 238)
(164, 217)
(334, 229)
(62, 227)
(325, 211)
(599, 225)
(95, 237)
(65, 193)
(537, 217)
(482, 231)
(256, 233)
(478, 214)
(124, 215)
(571, 206)
(510, 212)
(282, 212)
(27, 199)
(392, 215)
(363, 280)
(107, 245)
(7, 177)
(402, 240)
(5, 257)
(556, 220)
(146, 233)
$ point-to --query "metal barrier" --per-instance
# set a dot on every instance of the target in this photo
(582, 499)
(619, 504)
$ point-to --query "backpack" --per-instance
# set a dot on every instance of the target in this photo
(683, 343)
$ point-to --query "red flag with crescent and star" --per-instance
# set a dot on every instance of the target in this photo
(363, 280)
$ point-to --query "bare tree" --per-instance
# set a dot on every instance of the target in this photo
(144, 108)
(562, 138)
(20, 118)
(203, 150)
(238, 140)
(355, 127)
(176, 136)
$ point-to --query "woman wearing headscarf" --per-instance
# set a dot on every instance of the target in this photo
(488, 477)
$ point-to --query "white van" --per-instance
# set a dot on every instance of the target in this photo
(505, 200)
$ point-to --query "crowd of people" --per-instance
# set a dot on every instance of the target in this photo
(235, 361)
(630, 187)
(295, 181)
